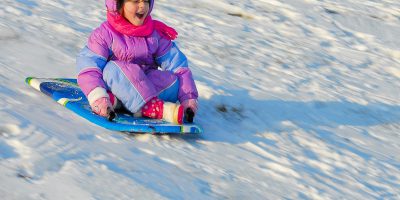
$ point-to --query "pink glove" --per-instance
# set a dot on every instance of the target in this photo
(102, 106)
(190, 103)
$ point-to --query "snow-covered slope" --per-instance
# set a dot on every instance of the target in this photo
(299, 100)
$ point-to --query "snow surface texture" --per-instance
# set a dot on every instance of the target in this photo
(298, 100)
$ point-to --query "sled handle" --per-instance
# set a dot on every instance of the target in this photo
(111, 114)
(189, 115)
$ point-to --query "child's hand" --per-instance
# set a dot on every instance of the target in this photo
(190, 103)
(102, 106)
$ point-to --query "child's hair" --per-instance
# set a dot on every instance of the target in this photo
(119, 4)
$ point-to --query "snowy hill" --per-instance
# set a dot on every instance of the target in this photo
(298, 100)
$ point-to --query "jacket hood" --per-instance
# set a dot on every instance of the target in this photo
(111, 6)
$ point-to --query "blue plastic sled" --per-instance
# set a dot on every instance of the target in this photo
(67, 93)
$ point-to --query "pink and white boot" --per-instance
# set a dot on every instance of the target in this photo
(167, 111)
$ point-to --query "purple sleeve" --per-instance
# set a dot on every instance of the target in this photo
(172, 59)
(187, 86)
(89, 80)
(92, 60)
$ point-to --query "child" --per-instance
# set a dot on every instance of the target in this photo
(131, 58)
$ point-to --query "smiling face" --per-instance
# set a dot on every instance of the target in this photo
(135, 11)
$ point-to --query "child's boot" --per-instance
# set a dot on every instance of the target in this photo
(158, 109)
(173, 113)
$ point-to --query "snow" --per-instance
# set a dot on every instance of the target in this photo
(298, 100)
